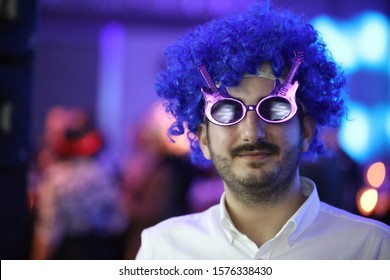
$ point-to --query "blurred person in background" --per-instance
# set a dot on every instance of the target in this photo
(156, 177)
(205, 190)
(46, 154)
(79, 212)
(338, 177)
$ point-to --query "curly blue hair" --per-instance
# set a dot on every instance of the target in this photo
(238, 44)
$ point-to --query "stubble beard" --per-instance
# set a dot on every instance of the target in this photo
(263, 186)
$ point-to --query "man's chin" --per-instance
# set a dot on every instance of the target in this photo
(256, 166)
(256, 175)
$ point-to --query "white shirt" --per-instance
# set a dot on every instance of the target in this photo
(316, 231)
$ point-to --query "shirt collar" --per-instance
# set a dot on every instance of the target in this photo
(297, 224)
(308, 212)
(226, 221)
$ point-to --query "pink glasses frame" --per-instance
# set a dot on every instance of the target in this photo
(287, 91)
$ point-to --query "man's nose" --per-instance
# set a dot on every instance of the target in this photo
(252, 127)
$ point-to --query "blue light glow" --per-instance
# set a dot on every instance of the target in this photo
(362, 42)
(337, 41)
(388, 126)
(373, 38)
(112, 47)
(355, 132)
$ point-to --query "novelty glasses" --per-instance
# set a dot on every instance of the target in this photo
(277, 107)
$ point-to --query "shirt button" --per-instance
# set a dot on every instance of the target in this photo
(226, 224)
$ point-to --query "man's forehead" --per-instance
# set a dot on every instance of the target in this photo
(265, 71)
(252, 86)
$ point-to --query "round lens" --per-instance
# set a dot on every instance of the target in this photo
(275, 109)
(227, 111)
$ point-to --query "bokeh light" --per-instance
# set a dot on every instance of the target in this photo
(361, 44)
(355, 132)
(376, 174)
(337, 41)
(367, 200)
(388, 123)
(373, 38)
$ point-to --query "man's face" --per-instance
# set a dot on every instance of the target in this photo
(256, 160)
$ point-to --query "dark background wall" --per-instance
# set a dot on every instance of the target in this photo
(17, 25)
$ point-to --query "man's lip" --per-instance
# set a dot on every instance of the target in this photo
(255, 153)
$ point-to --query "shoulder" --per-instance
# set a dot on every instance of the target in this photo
(345, 220)
(183, 237)
(196, 221)
(353, 236)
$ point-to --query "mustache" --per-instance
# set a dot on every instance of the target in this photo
(258, 146)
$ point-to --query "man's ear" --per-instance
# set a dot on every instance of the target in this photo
(309, 129)
(203, 140)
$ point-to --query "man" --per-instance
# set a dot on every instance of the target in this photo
(254, 91)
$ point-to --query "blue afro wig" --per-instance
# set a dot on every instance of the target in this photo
(239, 44)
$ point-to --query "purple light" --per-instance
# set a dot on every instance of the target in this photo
(111, 84)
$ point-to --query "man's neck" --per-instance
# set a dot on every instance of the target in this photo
(263, 221)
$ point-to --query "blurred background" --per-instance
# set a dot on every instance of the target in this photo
(85, 71)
